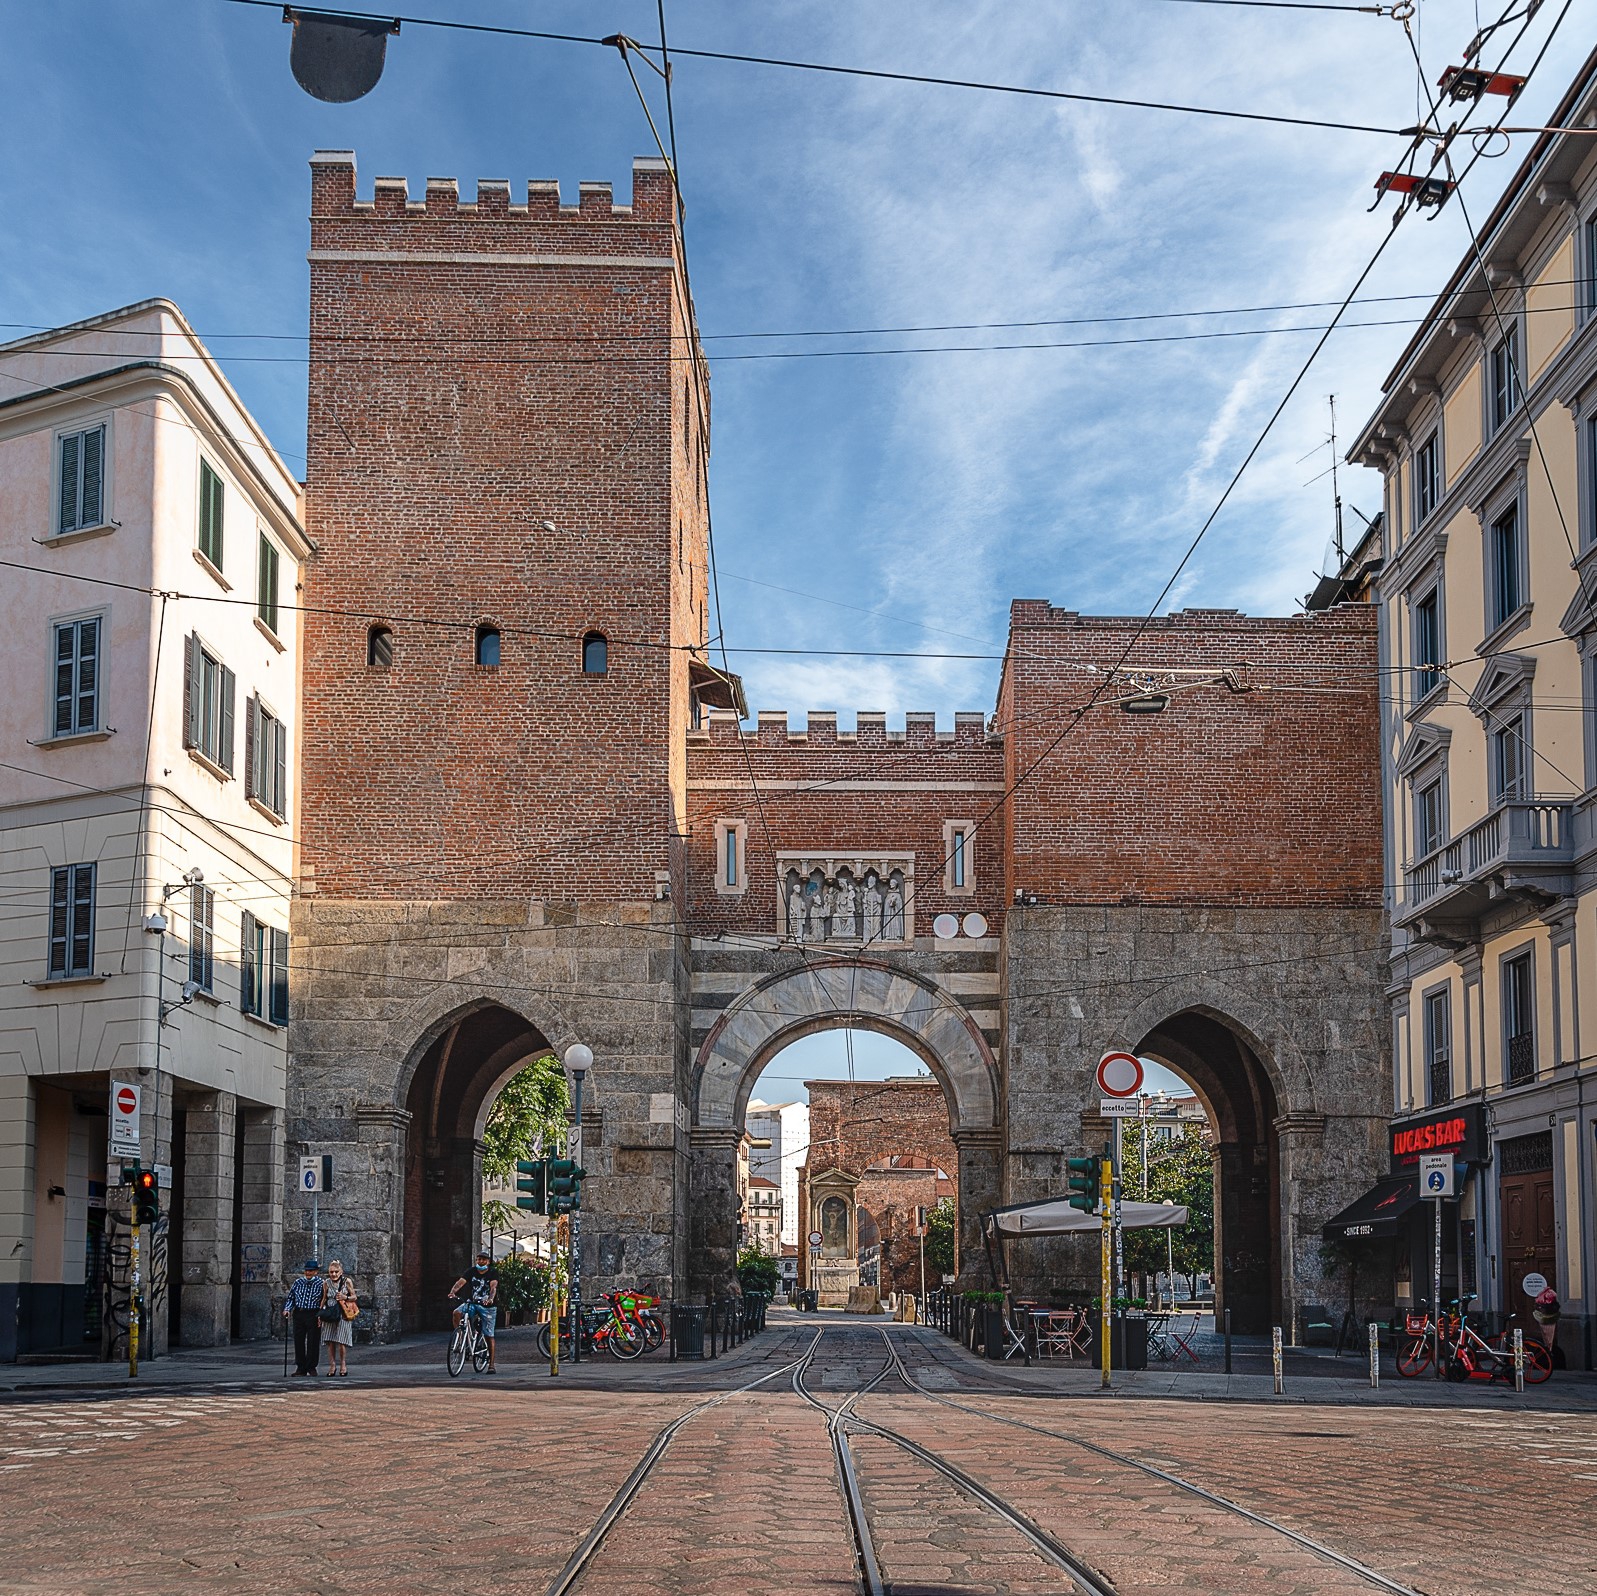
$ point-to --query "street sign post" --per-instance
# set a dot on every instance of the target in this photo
(316, 1176)
(1120, 1074)
(124, 1120)
(1436, 1182)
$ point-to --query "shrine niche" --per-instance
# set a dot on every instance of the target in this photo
(863, 900)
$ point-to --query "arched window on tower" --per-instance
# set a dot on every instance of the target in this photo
(380, 647)
(595, 654)
(487, 645)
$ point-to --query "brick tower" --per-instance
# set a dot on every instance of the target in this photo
(504, 630)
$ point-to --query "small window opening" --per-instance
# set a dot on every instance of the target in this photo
(957, 859)
(380, 647)
(595, 654)
(487, 645)
(731, 857)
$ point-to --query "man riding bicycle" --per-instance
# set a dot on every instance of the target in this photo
(481, 1286)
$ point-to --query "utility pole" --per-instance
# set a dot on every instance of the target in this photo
(133, 1282)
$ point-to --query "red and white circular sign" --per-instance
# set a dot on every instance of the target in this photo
(126, 1100)
(1119, 1074)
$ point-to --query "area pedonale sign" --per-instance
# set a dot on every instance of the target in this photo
(1459, 1130)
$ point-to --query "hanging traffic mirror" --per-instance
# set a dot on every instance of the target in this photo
(337, 57)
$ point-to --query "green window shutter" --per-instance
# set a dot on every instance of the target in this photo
(248, 975)
(192, 695)
(266, 598)
(89, 513)
(67, 518)
(212, 500)
(82, 956)
(279, 800)
(252, 745)
(279, 964)
(64, 678)
(87, 716)
(60, 887)
(224, 740)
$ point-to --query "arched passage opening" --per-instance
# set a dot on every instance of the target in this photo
(459, 1073)
(849, 1136)
(1227, 1070)
(828, 995)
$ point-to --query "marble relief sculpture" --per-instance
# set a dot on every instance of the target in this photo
(893, 910)
(873, 909)
(820, 907)
(795, 911)
(845, 915)
(858, 900)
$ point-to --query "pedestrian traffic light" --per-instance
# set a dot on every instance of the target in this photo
(565, 1179)
(535, 1183)
(1086, 1184)
(146, 1196)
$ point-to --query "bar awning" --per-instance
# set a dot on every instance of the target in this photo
(1381, 1211)
(1055, 1217)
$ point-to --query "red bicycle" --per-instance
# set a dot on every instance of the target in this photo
(1466, 1354)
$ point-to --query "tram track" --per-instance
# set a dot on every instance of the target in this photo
(1308, 1543)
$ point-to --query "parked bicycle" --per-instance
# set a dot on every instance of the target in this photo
(605, 1326)
(1466, 1354)
(645, 1310)
(467, 1341)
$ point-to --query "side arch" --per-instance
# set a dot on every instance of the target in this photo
(860, 993)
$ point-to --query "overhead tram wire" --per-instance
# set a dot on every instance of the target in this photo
(1024, 91)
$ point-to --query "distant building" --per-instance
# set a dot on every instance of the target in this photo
(763, 1211)
(784, 1128)
(149, 812)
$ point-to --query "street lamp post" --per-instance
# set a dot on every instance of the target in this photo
(579, 1059)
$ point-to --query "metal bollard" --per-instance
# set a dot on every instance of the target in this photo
(1228, 1341)
(1275, 1358)
(1519, 1361)
(673, 1323)
(1375, 1357)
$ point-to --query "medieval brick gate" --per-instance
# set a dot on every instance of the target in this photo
(531, 812)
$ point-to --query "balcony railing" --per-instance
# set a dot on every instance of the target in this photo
(1522, 846)
(1521, 1059)
(1441, 1081)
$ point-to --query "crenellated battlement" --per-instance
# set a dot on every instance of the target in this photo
(333, 197)
(723, 728)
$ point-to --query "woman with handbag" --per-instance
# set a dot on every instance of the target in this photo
(338, 1314)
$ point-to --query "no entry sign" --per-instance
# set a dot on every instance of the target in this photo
(124, 1120)
(1119, 1074)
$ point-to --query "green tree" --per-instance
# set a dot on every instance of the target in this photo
(530, 1112)
(758, 1271)
(941, 1225)
(1181, 1170)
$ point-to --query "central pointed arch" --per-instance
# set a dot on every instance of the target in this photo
(824, 995)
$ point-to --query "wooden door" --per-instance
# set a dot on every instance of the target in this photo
(1529, 1235)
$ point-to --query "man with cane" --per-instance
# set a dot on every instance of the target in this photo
(303, 1304)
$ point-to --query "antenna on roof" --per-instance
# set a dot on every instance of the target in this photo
(1336, 492)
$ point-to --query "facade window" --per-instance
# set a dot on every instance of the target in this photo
(212, 500)
(208, 693)
(1506, 561)
(1429, 821)
(1591, 479)
(959, 856)
(265, 758)
(263, 971)
(266, 583)
(1588, 684)
(1510, 759)
(1439, 1046)
(202, 937)
(77, 677)
(72, 920)
(1504, 378)
(1427, 477)
(1427, 645)
(80, 497)
(380, 648)
(487, 645)
(731, 864)
(1519, 1019)
(595, 654)
(1591, 266)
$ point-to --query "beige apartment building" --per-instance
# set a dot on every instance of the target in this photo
(1487, 586)
(148, 742)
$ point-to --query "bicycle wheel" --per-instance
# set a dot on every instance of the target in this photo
(457, 1351)
(1413, 1356)
(624, 1339)
(479, 1353)
(1538, 1363)
(543, 1342)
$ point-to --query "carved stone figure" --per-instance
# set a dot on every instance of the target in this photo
(845, 908)
(820, 904)
(893, 911)
(795, 913)
(873, 908)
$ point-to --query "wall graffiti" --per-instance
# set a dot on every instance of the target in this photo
(154, 1248)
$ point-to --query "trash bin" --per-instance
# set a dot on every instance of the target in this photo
(687, 1329)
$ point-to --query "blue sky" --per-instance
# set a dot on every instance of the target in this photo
(161, 149)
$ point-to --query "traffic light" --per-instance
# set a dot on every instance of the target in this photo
(535, 1184)
(1086, 1184)
(146, 1196)
(564, 1180)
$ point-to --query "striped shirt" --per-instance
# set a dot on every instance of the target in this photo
(306, 1292)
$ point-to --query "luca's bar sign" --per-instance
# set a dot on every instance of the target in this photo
(1457, 1131)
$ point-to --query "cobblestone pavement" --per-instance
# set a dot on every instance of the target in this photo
(488, 1485)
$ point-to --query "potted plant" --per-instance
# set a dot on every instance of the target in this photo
(1128, 1331)
(523, 1287)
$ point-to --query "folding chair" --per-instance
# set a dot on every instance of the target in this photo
(1183, 1330)
(1159, 1344)
(1016, 1339)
